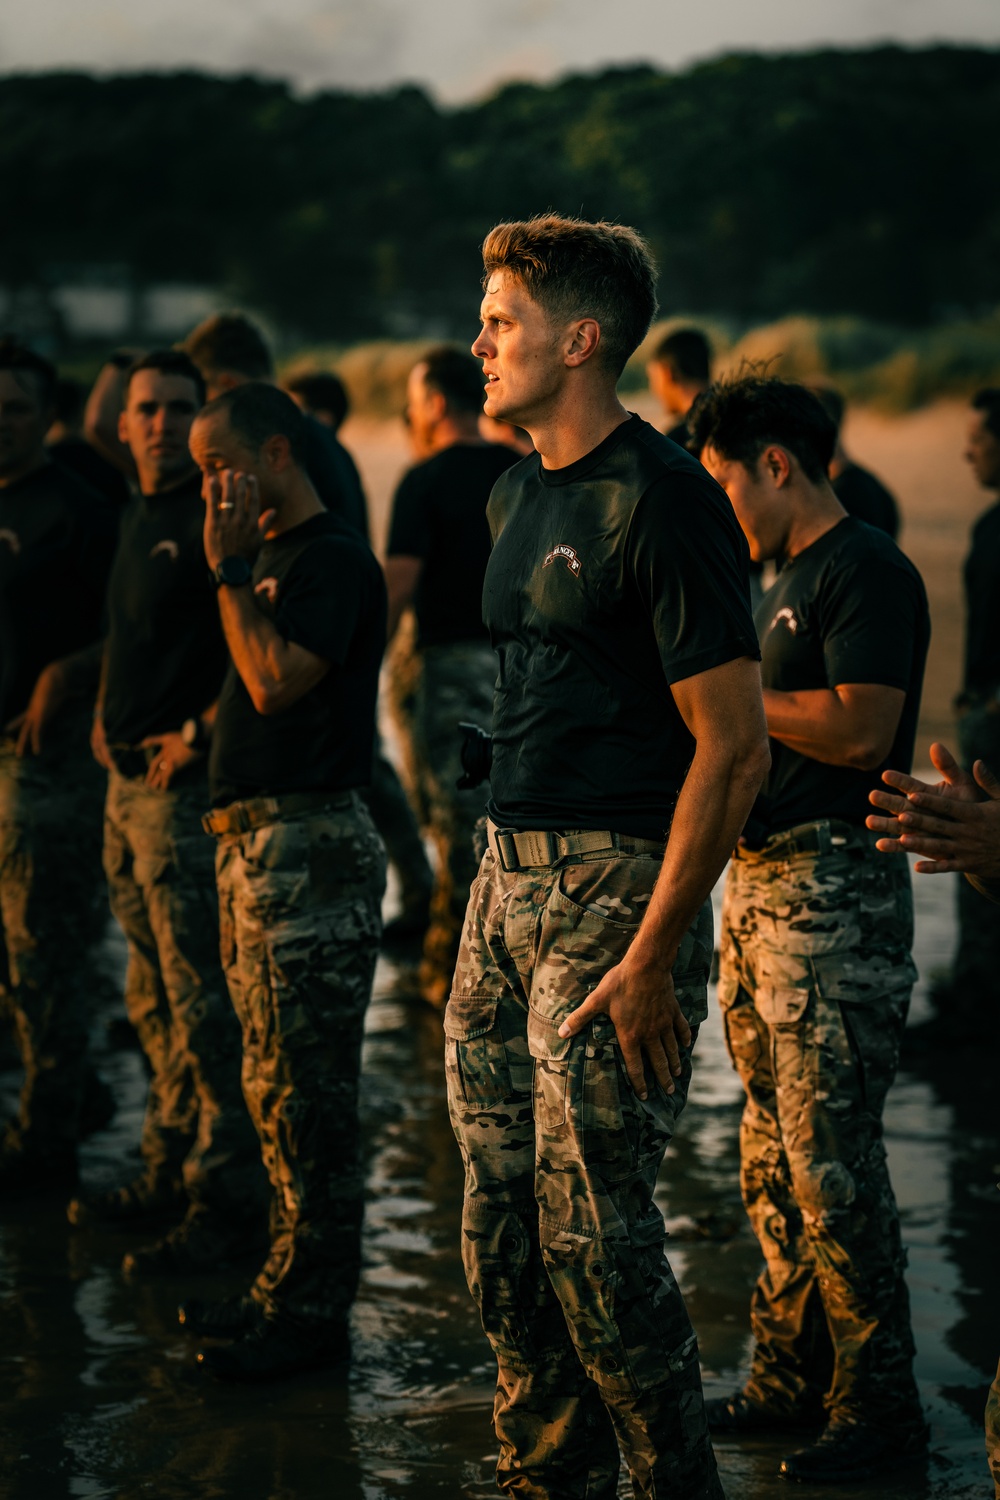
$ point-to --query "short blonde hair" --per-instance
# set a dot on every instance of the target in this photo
(576, 269)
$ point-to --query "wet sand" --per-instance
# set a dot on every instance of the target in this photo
(99, 1392)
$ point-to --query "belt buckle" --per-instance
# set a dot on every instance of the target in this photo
(535, 847)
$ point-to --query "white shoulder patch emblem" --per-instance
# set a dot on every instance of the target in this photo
(569, 557)
(170, 549)
(268, 587)
(789, 618)
(12, 540)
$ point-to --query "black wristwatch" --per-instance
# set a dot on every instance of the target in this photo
(195, 735)
(234, 572)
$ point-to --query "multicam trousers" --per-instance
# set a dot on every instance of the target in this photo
(52, 910)
(815, 984)
(455, 684)
(160, 870)
(300, 903)
(562, 1242)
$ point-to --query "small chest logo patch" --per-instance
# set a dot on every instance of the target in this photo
(168, 548)
(269, 588)
(569, 557)
(12, 540)
(787, 617)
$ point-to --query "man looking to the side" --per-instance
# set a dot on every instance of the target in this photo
(816, 971)
(438, 548)
(56, 544)
(300, 867)
(164, 661)
(678, 371)
(628, 744)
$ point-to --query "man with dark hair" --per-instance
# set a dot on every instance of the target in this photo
(816, 969)
(68, 446)
(56, 543)
(438, 548)
(164, 661)
(628, 744)
(679, 370)
(858, 490)
(299, 864)
(322, 394)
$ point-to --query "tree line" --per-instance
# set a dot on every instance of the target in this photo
(864, 182)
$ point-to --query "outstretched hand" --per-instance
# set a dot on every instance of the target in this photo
(647, 1018)
(955, 823)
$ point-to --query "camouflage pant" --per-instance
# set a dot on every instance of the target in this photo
(977, 956)
(456, 683)
(300, 906)
(815, 984)
(52, 910)
(993, 1431)
(562, 1242)
(160, 869)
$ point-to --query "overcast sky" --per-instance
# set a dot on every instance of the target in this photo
(457, 48)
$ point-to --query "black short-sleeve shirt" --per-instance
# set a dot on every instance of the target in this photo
(865, 496)
(439, 515)
(57, 538)
(166, 655)
(982, 606)
(609, 580)
(334, 475)
(321, 586)
(848, 609)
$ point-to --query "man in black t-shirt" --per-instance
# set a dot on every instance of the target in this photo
(816, 971)
(164, 660)
(439, 545)
(56, 542)
(301, 869)
(70, 449)
(859, 491)
(628, 744)
(679, 369)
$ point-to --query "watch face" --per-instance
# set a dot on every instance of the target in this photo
(234, 571)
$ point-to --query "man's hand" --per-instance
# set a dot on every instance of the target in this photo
(99, 744)
(647, 1020)
(170, 755)
(958, 823)
(32, 726)
(234, 525)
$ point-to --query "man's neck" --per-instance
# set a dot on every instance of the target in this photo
(451, 432)
(687, 395)
(839, 462)
(818, 511)
(300, 504)
(577, 422)
(153, 485)
(38, 461)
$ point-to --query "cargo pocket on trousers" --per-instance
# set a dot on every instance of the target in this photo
(550, 1054)
(622, 1134)
(740, 1026)
(476, 1058)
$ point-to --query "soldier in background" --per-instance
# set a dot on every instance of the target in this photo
(321, 394)
(816, 971)
(68, 446)
(300, 867)
(679, 369)
(56, 544)
(164, 661)
(436, 556)
(859, 491)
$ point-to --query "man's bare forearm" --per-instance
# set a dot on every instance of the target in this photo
(712, 808)
(259, 652)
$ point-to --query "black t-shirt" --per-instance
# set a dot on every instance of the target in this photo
(57, 538)
(864, 496)
(982, 606)
(77, 455)
(323, 589)
(848, 609)
(679, 433)
(335, 475)
(166, 655)
(609, 580)
(439, 515)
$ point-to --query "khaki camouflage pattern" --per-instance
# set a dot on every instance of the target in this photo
(53, 910)
(160, 868)
(815, 985)
(561, 1239)
(993, 1431)
(977, 955)
(300, 902)
(456, 685)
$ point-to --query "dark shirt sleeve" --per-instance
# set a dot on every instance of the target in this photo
(689, 561)
(322, 600)
(870, 624)
(409, 529)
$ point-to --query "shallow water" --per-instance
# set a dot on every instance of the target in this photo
(100, 1395)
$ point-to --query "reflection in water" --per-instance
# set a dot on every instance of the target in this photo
(100, 1395)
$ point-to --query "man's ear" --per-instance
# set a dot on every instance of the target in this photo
(776, 462)
(123, 429)
(582, 340)
(277, 453)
